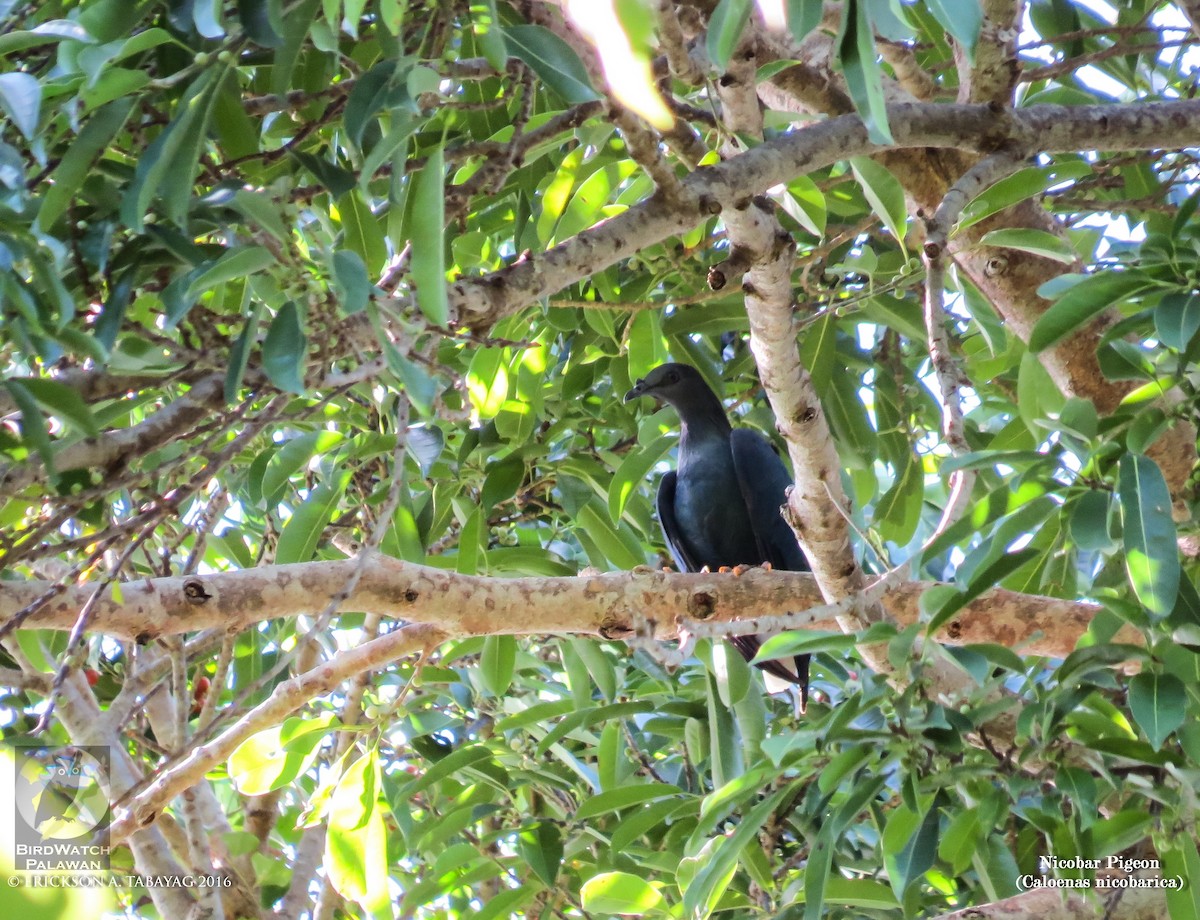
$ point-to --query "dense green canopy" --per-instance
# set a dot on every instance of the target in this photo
(316, 480)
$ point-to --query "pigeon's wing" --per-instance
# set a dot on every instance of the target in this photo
(763, 480)
(685, 559)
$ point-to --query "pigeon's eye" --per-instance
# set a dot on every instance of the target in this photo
(673, 377)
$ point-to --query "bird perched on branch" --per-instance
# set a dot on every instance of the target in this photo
(721, 508)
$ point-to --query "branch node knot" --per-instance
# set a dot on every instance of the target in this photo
(194, 592)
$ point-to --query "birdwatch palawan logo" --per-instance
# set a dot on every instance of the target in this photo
(61, 815)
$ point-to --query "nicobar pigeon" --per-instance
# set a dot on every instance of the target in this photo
(722, 506)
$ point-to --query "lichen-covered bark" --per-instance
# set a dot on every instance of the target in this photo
(610, 605)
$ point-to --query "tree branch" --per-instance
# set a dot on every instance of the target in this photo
(167, 423)
(607, 605)
(140, 810)
(483, 302)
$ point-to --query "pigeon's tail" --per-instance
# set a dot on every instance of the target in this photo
(790, 672)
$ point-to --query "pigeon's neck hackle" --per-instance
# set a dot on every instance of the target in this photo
(701, 414)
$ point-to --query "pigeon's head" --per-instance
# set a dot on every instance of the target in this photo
(677, 384)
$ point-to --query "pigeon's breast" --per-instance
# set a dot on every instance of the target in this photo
(711, 511)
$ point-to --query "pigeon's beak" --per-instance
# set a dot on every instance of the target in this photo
(639, 389)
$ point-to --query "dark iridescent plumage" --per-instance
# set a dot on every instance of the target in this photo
(721, 507)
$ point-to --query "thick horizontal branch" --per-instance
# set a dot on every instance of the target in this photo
(982, 128)
(612, 605)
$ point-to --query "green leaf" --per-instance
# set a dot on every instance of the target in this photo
(1120, 832)
(620, 893)
(856, 439)
(625, 797)
(390, 148)
(206, 14)
(552, 60)
(1080, 303)
(647, 349)
(238, 262)
(350, 273)
(541, 848)
(239, 355)
(961, 18)
(33, 424)
(856, 57)
(608, 539)
(487, 381)
(263, 21)
(373, 91)
(300, 535)
(172, 153)
(884, 194)
(1145, 429)
(1025, 183)
(62, 401)
(598, 666)
(356, 845)
(592, 716)
(802, 17)
(113, 84)
(497, 663)
(725, 27)
(860, 892)
(803, 642)
(1089, 521)
(984, 579)
(731, 672)
(691, 866)
(455, 762)
(295, 29)
(898, 511)
(1038, 397)
(1028, 239)
(503, 479)
(816, 872)
(510, 902)
(1177, 319)
(1181, 861)
(55, 30)
(536, 713)
(142, 41)
(428, 240)
(818, 349)
(1151, 553)
(337, 180)
(178, 178)
(21, 98)
(364, 235)
(75, 164)
(485, 22)
(258, 208)
(634, 471)
(714, 874)
(905, 862)
(963, 836)
(1158, 703)
(285, 350)
(470, 552)
(805, 202)
(274, 757)
(108, 324)
(1079, 787)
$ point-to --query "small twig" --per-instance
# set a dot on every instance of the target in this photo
(949, 375)
(671, 36)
